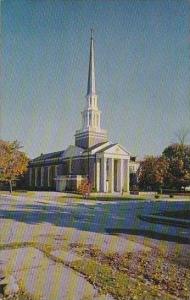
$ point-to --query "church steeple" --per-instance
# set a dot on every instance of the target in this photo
(91, 132)
(91, 87)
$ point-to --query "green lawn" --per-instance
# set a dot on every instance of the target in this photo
(125, 197)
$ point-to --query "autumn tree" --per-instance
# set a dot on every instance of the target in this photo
(152, 172)
(13, 162)
(178, 157)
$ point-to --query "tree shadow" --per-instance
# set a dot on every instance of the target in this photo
(169, 222)
(97, 217)
(150, 234)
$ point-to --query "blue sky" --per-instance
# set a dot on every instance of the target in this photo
(142, 53)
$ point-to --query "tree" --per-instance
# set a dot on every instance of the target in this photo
(13, 162)
(152, 172)
(178, 157)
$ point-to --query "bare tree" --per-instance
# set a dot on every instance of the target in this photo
(182, 135)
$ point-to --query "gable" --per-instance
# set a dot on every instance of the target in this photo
(115, 149)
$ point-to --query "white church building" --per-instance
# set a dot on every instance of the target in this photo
(93, 158)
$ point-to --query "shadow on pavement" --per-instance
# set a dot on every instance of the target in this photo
(150, 234)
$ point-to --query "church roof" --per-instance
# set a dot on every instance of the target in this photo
(49, 155)
(95, 146)
(91, 87)
(72, 151)
(107, 147)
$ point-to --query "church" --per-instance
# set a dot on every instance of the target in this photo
(106, 166)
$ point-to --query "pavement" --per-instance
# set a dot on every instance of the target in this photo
(114, 226)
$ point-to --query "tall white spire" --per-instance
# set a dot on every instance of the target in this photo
(91, 114)
(91, 87)
(91, 132)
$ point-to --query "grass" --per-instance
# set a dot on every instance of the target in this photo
(116, 283)
(126, 197)
(103, 197)
(19, 193)
(155, 270)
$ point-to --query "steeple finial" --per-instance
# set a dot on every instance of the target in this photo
(92, 31)
(91, 87)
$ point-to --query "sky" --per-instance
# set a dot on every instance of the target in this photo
(142, 52)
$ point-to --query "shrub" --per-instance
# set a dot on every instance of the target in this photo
(157, 196)
(171, 196)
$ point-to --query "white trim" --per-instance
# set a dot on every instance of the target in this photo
(91, 131)
(99, 147)
(92, 134)
(111, 155)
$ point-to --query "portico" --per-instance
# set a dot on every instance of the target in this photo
(112, 169)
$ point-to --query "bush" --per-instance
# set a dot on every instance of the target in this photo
(160, 191)
(171, 196)
(157, 196)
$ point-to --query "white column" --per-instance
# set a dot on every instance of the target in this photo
(30, 177)
(127, 175)
(88, 119)
(120, 181)
(111, 175)
(103, 174)
(36, 174)
(98, 175)
(42, 176)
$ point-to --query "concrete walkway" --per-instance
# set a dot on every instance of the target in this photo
(43, 278)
